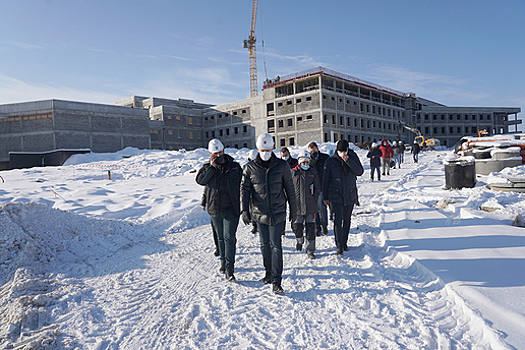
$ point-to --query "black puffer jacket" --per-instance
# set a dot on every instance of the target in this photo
(339, 183)
(267, 190)
(226, 177)
(307, 189)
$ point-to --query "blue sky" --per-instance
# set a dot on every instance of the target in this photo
(459, 53)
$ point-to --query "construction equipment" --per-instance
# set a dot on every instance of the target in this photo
(250, 45)
(430, 143)
(483, 133)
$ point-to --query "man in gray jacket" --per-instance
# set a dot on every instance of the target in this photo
(267, 186)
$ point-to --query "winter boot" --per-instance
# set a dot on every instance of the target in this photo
(222, 269)
(340, 253)
(277, 289)
(229, 274)
(267, 277)
(310, 255)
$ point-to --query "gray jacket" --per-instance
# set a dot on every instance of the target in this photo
(307, 189)
(267, 190)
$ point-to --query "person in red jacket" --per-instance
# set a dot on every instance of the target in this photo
(387, 152)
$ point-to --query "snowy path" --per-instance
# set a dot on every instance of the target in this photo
(109, 284)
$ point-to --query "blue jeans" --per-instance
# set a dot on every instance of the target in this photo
(372, 170)
(272, 250)
(416, 157)
(397, 159)
(226, 226)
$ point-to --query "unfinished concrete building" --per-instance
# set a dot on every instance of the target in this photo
(54, 124)
(320, 104)
(175, 124)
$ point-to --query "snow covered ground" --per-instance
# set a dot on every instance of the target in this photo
(127, 263)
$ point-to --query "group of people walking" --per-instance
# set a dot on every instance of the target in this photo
(386, 156)
(261, 193)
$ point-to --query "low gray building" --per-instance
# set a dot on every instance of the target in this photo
(54, 124)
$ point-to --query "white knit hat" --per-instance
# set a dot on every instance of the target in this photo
(265, 141)
(305, 157)
(215, 145)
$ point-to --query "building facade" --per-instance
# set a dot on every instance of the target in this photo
(54, 124)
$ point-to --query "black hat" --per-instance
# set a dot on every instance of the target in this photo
(342, 145)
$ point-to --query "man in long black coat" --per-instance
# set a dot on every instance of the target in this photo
(340, 189)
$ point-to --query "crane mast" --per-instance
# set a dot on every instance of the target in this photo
(250, 45)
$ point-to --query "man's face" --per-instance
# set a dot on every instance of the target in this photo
(313, 149)
(217, 154)
(285, 154)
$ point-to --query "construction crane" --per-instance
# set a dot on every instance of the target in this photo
(250, 45)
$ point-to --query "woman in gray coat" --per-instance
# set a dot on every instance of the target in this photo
(307, 189)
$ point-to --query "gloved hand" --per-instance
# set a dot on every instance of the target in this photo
(293, 217)
(246, 217)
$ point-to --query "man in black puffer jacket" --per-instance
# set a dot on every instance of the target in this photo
(222, 177)
(340, 189)
(267, 186)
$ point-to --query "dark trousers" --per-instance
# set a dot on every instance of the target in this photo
(322, 218)
(271, 249)
(215, 237)
(342, 218)
(226, 226)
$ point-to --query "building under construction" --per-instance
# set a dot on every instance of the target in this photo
(323, 105)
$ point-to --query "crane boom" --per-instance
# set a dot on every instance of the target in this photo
(250, 45)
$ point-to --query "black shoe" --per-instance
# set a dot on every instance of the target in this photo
(345, 248)
(383, 174)
(340, 253)
(222, 268)
(216, 252)
(325, 230)
(277, 289)
(299, 247)
(310, 255)
(229, 275)
(267, 278)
